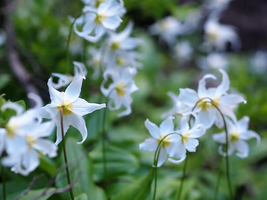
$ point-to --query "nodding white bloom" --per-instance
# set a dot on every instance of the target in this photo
(97, 57)
(167, 28)
(217, 4)
(207, 112)
(186, 140)
(158, 133)
(98, 20)
(213, 61)
(217, 35)
(120, 90)
(183, 51)
(258, 62)
(73, 108)
(179, 109)
(64, 80)
(237, 133)
(24, 132)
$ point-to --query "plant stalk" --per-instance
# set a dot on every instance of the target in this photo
(218, 180)
(3, 182)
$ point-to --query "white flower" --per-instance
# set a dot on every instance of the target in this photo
(72, 106)
(183, 51)
(167, 28)
(97, 58)
(158, 133)
(120, 90)
(207, 112)
(186, 140)
(259, 62)
(99, 20)
(237, 133)
(64, 80)
(213, 61)
(217, 35)
(217, 4)
(2, 37)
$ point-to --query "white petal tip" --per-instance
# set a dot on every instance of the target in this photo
(245, 102)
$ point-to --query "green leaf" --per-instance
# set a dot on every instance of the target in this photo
(32, 194)
(81, 171)
(119, 162)
(47, 165)
(137, 190)
(4, 80)
(83, 196)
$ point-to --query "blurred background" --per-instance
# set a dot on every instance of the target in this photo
(201, 37)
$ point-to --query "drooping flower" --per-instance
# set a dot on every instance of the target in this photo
(107, 16)
(237, 133)
(64, 80)
(213, 61)
(217, 35)
(120, 90)
(71, 106)
(183, 51)
(158, 133)
(207, 112)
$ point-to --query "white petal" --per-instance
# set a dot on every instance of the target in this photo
(78, 122)
(228, 111)
(37, 99)
(191, 144)
(219, 137)
(130, 43)
(74, 89)
(65, 128)
(242, 124)
(82, 107)
(248, 135)
(242, 148)
(30, 161)
(150, 144)
(202, 91)
(46, 147)
(197, 131)
(162, 157)
(207, 118)
(152, 129)
(99, 31)
(112, 22)
(167, 125)
(14, 106)
(224, 86)
(188, 97)
(15, 143)
(42, 130)
(179, 152)
(231, 99)
(55, 96)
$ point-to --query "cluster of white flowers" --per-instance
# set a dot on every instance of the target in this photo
(209, 106)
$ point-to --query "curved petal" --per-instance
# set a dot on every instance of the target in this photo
(250, 134)
(231, 99)
(46, 147)
(191, 144)
(112, 22)
(78, 122)
(55, 96)
(197, 132)
(242, 148)
(162, 157)
(82, 107)
(219, 137)
(152, 129)
(224, 86)
(242, 124)
(179, 152)
(167, 126)
(149, 144)
(74, 89)
(188, 97)
(14, 106)
(202, 91)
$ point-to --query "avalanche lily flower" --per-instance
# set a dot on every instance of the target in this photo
(213, 61)
(73, 108)
(120, 90)
(64, 80)
(217, 35)
(158, 133)
(207, 112)
(183, 51)
(237, 133)
(186, 140)
(99, 20)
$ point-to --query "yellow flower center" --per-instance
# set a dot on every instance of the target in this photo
(11, 129)
(120, 61)
(212, 36)
(185, 137)
(96, 62)
(99, 18)
(115, 46)
(30, 140)
(234, 137)
(67, 108)
(120, 88)
(205, 104)
(165, 142)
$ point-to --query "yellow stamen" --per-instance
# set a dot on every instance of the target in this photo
(120, 61)
(115, 46)
(67, 108)
(185, 137)
(11, 129)
(205, 104)
(234, 137)
(99, 18)
(120, 88)
(165, 142)
(30, 140)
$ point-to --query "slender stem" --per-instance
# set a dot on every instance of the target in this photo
(183, 177)
(156, 172)
(3, 182)
(64, 151)
(218, 180)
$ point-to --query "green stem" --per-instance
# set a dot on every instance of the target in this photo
(3, 182)
(64, 151)
(156, 173)
(183, 177)
(218, 180)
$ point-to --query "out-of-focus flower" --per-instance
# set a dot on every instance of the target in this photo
(258, 62)
(96, 61)
(217, 4)
(2, 37)
(98, 20)
(213, 61)
(158, 133)
(183, 51)
(120, 90)
(186, 140)
(168, 28)
(237, 133)
(64, 80)
(207, 112)
(217, 35)
(73, 108)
